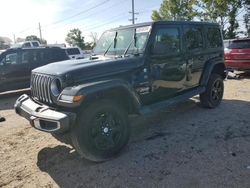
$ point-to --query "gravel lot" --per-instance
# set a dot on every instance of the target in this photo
(181, 146)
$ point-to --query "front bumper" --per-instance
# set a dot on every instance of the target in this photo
(43, 117)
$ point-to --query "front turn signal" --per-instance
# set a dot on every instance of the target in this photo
(77, 98)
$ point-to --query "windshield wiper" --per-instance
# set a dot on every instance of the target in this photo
(133, 40)
(114, 41)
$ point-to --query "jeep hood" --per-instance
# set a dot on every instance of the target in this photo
(86, 69)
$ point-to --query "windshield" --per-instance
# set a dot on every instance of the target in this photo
(132, 40)
(239, 44)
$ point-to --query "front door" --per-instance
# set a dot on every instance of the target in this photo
(167, 64)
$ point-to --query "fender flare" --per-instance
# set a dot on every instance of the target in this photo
(208, 69)
(90, 89)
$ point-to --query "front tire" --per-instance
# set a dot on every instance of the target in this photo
(101, 131)
(213, 95)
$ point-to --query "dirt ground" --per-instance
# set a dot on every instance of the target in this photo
(181, 146)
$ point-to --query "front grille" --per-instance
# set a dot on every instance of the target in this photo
(40, 87)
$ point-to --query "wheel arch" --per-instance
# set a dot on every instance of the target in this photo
(211, 67)
(116, 90)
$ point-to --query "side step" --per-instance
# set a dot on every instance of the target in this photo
(182, 97)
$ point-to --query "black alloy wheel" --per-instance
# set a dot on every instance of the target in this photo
(101, 131)
(213, 95)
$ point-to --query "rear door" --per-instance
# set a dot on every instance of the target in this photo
(195, 53)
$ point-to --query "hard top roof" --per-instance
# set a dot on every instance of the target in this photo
(165, 22)
(36, 48)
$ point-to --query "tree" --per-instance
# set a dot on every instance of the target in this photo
(5, 42)
(223, 12)
(246, 17)
(75, 38)
(233, 23)
(34, 37)
(1, 43)
(94, 38)
(176, 10)
(247, 24)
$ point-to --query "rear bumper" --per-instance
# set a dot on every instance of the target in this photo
(238, 68)
(43, 117)
(237, 64)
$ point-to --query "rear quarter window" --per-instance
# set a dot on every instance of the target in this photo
(214, 39)
(193, 36)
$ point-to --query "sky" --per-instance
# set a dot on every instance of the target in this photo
(57, 17)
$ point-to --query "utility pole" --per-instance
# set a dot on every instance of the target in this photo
(40, 31)
(133, 13)
(14, 36)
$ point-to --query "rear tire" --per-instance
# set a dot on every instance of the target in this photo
(101, 131)
(213, 95)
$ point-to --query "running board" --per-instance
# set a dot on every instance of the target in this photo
(182, 97)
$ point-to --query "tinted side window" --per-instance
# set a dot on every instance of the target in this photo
(10, 59)
(214, 38)
(167, 41)
(58, 55)
(194, 38)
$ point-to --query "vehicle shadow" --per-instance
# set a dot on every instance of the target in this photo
(161, 143)
(242, 75)
(8, 99)
(245, 74)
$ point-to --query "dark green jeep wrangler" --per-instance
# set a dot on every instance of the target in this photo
(134, 69)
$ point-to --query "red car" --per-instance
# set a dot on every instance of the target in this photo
(237, 54)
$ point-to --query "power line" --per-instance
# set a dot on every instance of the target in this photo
(70, 17)
(79, 13)
(93, 13)
(95, 26)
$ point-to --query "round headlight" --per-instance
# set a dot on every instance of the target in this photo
(56, 87)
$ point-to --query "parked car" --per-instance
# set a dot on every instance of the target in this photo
(16, 65)
(237, 55)
(135, 69)
(75, 53)
(27, 44)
